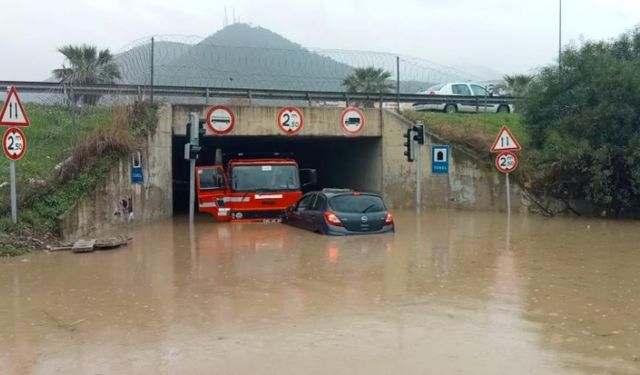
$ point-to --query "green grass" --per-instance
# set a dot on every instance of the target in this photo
(474, 131)
(53, 132)
(12, 249)
(89, 141)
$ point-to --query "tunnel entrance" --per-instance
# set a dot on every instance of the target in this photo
(341, 162)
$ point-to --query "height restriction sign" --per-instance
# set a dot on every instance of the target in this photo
(14, 143)
(290, 120)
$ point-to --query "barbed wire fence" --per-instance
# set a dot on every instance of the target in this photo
(193, 61)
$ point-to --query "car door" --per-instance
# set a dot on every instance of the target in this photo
(297, 215)
(483, 94)
(307, 213)
(316, 213)
(463, 90)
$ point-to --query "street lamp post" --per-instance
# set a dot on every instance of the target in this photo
(560, 34)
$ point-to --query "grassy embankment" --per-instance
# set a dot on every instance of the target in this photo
(68, 152)
(473, 131)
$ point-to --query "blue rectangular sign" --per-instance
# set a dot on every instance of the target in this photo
(440, 159)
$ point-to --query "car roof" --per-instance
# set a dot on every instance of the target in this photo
(332, 192)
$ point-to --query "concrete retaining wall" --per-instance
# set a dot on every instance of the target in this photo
(117, 202)
(262, 121)
(472, 183)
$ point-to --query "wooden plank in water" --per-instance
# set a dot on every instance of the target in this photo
(83, 246)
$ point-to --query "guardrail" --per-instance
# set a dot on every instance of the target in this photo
(268, 94)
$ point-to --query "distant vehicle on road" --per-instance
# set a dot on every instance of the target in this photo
(341, 212)
(461, 89)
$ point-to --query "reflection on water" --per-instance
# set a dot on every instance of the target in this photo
(448, 292)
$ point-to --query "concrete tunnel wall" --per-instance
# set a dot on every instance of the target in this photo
(373, 160)
(472, 182)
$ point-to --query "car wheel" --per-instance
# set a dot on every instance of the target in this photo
(504, 109)
(450, 108)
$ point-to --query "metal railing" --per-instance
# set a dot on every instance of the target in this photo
(247, 93)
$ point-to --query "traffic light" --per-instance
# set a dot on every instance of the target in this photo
(408, 144)
(194, 150)
(419, 130)
(202, 131)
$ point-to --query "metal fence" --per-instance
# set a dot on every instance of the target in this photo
(206, 95)
(269, 62)
(251, 65)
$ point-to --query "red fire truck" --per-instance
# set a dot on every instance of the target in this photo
(251, 189)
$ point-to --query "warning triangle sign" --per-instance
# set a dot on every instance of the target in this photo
(505, 141)
(13, 113)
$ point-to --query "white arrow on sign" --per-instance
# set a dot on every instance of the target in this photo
(505, 141)
(12, 113)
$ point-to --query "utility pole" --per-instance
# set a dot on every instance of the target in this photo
(398, 82)
(560, 35)
(152, 65)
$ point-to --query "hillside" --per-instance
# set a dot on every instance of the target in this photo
(239, 56)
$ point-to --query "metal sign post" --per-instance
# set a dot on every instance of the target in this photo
(507, 161)
(193, 118)
(506, 175)
(12, 182)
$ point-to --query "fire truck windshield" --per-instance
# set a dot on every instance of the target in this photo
(265, 178)
(211, 179)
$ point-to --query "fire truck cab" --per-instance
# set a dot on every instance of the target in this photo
(251, 189)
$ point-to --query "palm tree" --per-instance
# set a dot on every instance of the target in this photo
(87, 66)
(368, 80)
(517, 83)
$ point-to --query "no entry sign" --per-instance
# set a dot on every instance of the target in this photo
(290, 120)
(220, 119)
(14, 143)
(352, 120)
(506, 162)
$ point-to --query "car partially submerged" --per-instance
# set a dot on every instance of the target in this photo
(341, 212)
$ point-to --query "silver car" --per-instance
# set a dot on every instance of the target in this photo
(461, 89)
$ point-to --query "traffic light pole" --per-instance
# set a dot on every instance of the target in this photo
(418, 177)
(193, 118)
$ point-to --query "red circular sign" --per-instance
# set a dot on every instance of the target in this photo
(352, 120)
(506, 162)
(14, 143)
(220, 119)
(290, 120)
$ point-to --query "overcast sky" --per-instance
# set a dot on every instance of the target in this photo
(507, 36)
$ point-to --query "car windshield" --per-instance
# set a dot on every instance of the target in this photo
(211, 179)
(265, 178)
(356, 203)
(436, 87)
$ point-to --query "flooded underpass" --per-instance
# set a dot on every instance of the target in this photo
(450, 292)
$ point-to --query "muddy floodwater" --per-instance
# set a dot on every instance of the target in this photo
(451, 292)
